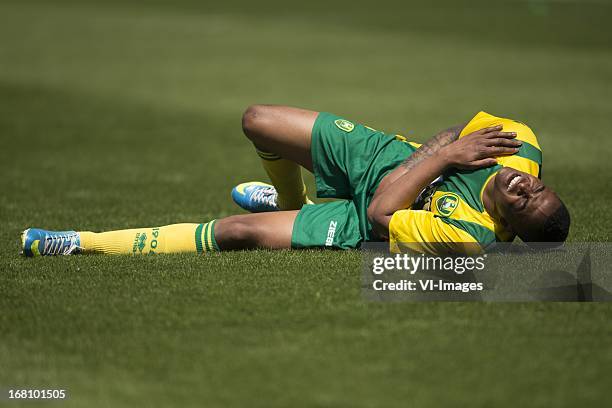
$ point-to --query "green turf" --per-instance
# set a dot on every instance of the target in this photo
(117, 114)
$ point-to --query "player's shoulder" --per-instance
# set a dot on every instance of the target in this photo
(483, 119)
(529, 157)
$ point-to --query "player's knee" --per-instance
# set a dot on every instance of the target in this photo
(252, 120)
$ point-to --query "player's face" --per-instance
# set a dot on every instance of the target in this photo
(522, 200)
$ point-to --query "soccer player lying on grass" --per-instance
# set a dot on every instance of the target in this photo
(464, 190)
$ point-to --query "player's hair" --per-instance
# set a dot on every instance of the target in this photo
(557, 225)
(553, 231)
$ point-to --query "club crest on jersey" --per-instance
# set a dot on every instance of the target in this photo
(447, 204)
(344, 124)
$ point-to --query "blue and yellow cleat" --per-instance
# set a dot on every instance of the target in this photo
(255, 197)
(39, 242)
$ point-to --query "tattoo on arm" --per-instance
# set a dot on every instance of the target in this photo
(432, 145)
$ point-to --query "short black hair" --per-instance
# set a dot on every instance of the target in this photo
(557, 225)
(553, 231)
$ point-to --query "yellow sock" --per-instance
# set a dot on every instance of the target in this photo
(286, 176)
(169, 239)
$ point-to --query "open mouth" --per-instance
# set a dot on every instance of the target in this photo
(514, 180)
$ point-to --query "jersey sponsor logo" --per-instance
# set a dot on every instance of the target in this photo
(331, 231)
(447, 204)
(345, 125)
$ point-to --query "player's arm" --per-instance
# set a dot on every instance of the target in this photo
(474, 151)
(426, 150)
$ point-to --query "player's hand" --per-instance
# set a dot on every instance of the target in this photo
(479, 149)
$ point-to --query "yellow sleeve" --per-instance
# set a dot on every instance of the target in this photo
(520, 163)
(529, 159)
(483, 120)
(422, 231)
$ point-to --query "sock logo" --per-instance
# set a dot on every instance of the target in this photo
(140, 241)
(330, 233)
(155, 233)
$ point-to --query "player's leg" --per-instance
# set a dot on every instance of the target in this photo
(317, 140)
(265, 230)
(282, 138)
(283, 131)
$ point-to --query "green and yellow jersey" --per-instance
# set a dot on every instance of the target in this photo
(453, 218)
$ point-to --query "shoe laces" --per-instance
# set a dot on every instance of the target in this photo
(60, 244)
(265, 195)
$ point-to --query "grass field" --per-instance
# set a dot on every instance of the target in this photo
(122, 114)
